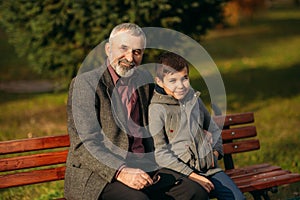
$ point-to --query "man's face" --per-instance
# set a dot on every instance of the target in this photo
(125, 52)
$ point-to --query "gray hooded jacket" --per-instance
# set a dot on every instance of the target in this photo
(178, 128)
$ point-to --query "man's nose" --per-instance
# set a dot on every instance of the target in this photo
(129, 56)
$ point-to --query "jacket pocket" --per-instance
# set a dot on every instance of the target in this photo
(75, 182)
(188, 158)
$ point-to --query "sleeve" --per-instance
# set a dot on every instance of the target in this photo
(164, 156)
(89, 144)
(210, 125)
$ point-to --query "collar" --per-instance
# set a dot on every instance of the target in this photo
(160, 90)
(115, 77)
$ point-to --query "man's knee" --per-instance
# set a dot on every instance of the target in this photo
(117, 190)
(192, 190)
(198, 192)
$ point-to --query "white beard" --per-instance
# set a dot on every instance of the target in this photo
(124, 71)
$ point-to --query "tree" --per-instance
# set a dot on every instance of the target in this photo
(56, 35)
(236, 9)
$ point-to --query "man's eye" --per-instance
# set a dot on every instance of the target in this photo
(137, 52)
(124, 48)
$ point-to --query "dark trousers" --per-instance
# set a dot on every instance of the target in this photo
(171, 186)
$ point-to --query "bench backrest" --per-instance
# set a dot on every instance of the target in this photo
(238, 135)
(49, 153)
(45, 157)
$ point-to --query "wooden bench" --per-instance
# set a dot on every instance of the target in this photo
(239, 135)
(47, 156)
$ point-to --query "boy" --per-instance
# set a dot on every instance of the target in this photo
(185, 137)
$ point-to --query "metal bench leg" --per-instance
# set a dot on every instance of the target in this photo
(257, 195)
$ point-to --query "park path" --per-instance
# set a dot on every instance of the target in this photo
(26, 86)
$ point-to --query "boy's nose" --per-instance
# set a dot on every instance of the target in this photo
(180, 84)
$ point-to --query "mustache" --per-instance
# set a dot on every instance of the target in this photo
(131, 64)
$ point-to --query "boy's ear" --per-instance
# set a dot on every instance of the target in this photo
(159, 82)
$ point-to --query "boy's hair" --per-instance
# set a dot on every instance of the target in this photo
(169, 63)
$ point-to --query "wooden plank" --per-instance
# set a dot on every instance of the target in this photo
(243, 173)
(247, 169)
(35, 160)
(270, 182)
(241, 146)
(32, 177)
(234, 119)
(248, 178)
(238, 133)
(24, 145)
(276, 181)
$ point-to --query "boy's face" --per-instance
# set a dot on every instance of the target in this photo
(176, 84)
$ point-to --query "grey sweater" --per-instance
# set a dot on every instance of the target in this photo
(178, 128)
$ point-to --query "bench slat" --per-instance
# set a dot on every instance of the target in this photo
(248, 168)
(243, 173)
(36, 160)
(237, 133)
(247, 178)
(241, 146)
(270, 182)
(24, 145)
(234, 119)
(32, 177)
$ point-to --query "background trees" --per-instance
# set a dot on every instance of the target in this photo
(56, 35)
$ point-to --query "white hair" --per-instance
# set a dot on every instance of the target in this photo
(130, 28)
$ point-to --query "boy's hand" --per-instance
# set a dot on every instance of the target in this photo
(216, 154)
(204, 182)
(208, 136)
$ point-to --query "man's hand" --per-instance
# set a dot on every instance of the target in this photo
(204, 182)
(134, 178)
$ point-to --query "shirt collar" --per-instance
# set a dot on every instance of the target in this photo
(115, 77)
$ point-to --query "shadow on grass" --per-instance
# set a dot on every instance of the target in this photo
(247, 40)
(6, 97)
(259, 84)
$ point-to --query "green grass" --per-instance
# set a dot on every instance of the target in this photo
(259, 63)
(32, 115)
(260, 66)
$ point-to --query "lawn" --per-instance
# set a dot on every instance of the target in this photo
(260, 66)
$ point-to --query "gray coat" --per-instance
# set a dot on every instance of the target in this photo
(177, 129)
(99, 143)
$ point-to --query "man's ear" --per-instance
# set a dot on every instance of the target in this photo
(159, 82)
(107, 49)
